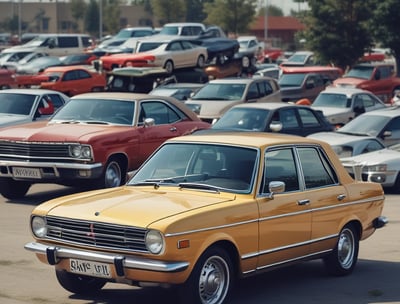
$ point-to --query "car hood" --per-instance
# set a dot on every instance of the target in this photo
(131, 205)
(211, 108)
(373, 158)
(335, 138)
(8, 120)
(348, 81)
(330, 111)
(45, 131)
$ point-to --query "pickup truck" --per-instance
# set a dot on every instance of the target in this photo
(378, 78)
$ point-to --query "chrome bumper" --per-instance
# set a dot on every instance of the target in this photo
(55, 253)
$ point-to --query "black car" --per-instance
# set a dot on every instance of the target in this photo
(273, 117)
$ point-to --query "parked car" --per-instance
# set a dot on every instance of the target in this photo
(23, 74)
(187, 29)
(167, 54)
(7, 79)
(340, 105)
(219, 95)
(306, 82)
(11, 57)
(179, 90)
(378, 78)
(273, 117)
(346, 145)
(250, 44)
(78, 59)
(124, 34)
(300, 58)
(13, 65)
(71, 80)
(205, 210)
(383, 124)
(381, 166)
(93, 141)
(18, 106)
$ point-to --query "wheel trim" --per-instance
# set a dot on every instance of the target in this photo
(346, 248)
(214, 280)
(112, 176)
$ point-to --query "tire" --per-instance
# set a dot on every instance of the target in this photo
(79, 284)
(201, 61)
(12, 189)
(169, 66)
(113, 175)
(211, 279)
(342, 260)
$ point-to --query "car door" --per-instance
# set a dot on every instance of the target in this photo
(285, 218)
(310, 123)
(178, 55)
(391, 132)
(166, 125)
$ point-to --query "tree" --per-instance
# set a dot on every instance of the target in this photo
(78, 10)
(195, 13)
(337, 30)
(234, 16)
(111, 15)
(91, 20)
(272, 11)
(167, 11)
(385, 27)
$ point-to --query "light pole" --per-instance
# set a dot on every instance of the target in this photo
(100, 19)
(266, 22)
(19, 19)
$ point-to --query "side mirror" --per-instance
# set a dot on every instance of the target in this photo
(148, 122)
(276, 126)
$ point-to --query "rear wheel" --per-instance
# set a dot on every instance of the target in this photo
(113, 175)
(201, 61)
(79, 284)
(342, 260)
(169, 66)
(12, 189)
(211, 279)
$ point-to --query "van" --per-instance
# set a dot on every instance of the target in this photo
(55, 44)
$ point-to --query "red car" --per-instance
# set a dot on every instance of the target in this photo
(70, 80)
(93, 141)
(7, 79)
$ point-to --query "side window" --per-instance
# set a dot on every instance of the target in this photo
(280, 165)
(83, 74)
(316, 169)
(68, 76)
(288, 118)
(67, 42)
(57, 101)
(253, 92)
(308, 118)
(196, 30)
(86, 41)
(160, 112)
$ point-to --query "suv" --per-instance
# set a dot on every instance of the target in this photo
(125, 34)
(182, 29)
(378, 78)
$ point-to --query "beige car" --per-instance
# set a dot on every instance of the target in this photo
(219, 95)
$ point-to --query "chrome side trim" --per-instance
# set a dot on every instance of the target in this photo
(127, 261)
(272, 250)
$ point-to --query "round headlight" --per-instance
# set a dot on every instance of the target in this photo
(154, 242)
(76, 151)
(86, 152)
(39, 227)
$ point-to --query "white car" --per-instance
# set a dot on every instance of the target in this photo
(381, 166)
(249, 44)
(340, 105)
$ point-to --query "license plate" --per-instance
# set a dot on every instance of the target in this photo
(90, 268)
(26, 172)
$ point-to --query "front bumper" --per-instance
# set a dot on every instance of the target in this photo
(123, 265)
(51, 171)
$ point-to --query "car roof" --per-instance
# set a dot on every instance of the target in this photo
(250, 139)
(267, 105)
(65, 68)
(344, 90)
(29, 91)
(238, 80)
(388, 112)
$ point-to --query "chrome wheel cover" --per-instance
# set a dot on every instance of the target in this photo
(112, 176)
(345, 249)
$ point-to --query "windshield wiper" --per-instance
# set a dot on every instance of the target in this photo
(97, 122)
(199, 187)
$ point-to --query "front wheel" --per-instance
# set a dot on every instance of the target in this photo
(342, 260)
(12, 189)
(211, 279)
(201, 61)
(113, 175)
(169, 66)
(79, 284)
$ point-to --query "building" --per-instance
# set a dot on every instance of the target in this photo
(279, 32)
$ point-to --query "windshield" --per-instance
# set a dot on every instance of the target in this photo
(332, 101)
(365, 125)
(364, 72)
(39, 41)
(291, 80)
(198, 165)
(221, 91)
(170, 30)
(109, 111)
(298, 58)
(123, 34)
(243, 118)
(19, 104)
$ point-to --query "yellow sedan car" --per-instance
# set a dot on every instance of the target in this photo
(204, 210)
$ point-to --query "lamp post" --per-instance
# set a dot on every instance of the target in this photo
(266, 22)
(100, 19)
(19, 19)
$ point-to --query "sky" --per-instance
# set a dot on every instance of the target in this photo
(285, 5)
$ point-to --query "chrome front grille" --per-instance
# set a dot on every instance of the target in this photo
(96, 234)
(33, 150)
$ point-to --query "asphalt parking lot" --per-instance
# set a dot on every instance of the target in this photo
(24, 280)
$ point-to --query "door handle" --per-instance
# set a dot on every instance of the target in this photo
(303, 202)
(173, 129)
(341, 197)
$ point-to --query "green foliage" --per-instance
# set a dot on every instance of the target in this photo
(385, 26)
(234, 16)
(91, 20)
(111, 15)
(78, 9)
(167, 11)
(272, 11)
(337, 30)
